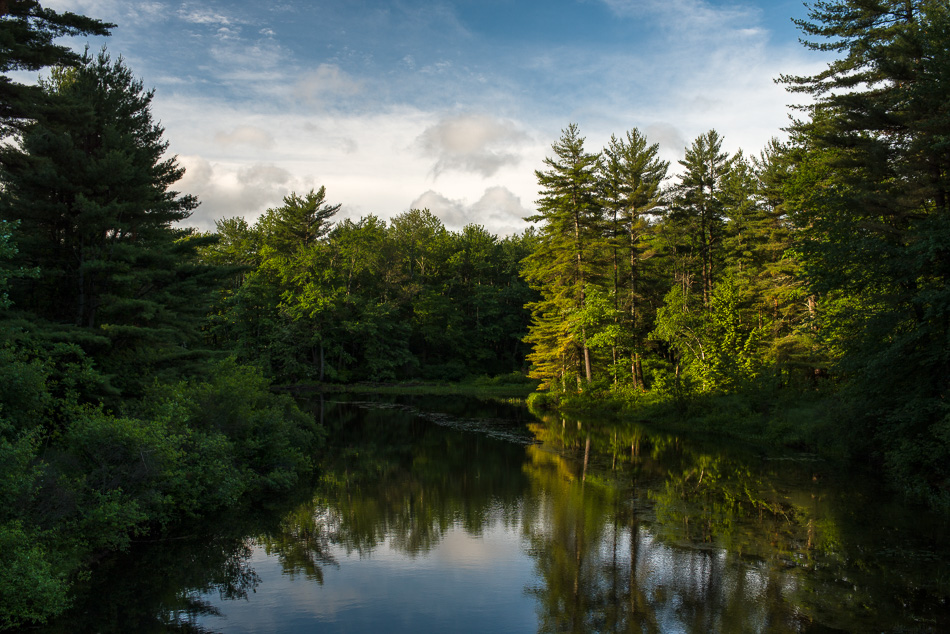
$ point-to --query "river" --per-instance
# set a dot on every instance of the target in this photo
(458, 515)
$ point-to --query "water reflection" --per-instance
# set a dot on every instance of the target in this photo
(698, 541)
(441, 515)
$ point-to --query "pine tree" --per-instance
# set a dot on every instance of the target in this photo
(297, 224)
(90, 189)
(632, 176)
(27, 32)
(870, 194)
(699, 206)
(570, 245)
(295, 266)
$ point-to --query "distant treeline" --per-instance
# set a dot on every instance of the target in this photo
(313, 299)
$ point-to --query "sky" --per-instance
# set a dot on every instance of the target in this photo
(447, 105)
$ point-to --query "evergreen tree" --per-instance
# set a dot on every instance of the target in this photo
(870, 194)
(297, 224)
(27, 34)
(699, 207)
(295, 266)
(566, 260)
(631, 177)
(90, 189)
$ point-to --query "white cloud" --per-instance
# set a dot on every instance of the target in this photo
(248, 135)
(471, 143)
(255, 124)
(203, 15)
(227, 190)
(668, 136)
(498, 210)
(690, 18)
(326, 83)
(248, 63)
(716, 70)
(264, 175)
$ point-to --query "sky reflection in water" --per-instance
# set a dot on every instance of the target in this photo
(423, 523)
(464, 584)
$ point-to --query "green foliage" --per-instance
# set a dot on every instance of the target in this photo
(101, 296)
(631, 189)
(8, 266)
(270, 433)
(83, 481)
(720, 349)
(565, 262)
(31, 590)
(870, 197)
(89, 189)
(366, 301)
(27, 43)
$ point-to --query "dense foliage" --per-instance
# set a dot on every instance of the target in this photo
(368, 300)
(821, 261)
(116, 419)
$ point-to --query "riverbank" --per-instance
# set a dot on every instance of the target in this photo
(799, 421)
(514, 386)
(814, 419)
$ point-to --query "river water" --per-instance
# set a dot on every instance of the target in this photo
(457, 515)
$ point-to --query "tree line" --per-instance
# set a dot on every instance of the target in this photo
(651, 282)
(820, 264)
(367, 300)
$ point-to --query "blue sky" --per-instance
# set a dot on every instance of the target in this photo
(447, 105)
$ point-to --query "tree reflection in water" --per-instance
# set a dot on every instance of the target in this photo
(666, 537)
(628, 530)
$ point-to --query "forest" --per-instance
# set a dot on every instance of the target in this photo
(804, 288)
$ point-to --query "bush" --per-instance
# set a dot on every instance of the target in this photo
(30, 589)
(542, 401)
(77, 480)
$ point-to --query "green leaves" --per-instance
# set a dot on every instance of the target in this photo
(718, 345)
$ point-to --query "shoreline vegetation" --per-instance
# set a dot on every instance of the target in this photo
(798, 296)
(792, 421)
(514, 386)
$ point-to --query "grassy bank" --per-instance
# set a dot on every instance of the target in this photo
(505, 386)
(801, 421)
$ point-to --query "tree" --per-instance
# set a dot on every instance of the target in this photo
(27, 31)
(698, 204)
(570, 243)
(632, 176)
(298, 223)
(871, 198)
(715, 344)
(90, 189)
(295, 263)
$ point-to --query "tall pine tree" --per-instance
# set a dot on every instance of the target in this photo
(566, 260)
(699, 207)
(632, 177)
(871, 196)
(90, 190)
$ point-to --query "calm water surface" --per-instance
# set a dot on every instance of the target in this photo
(450, 515)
